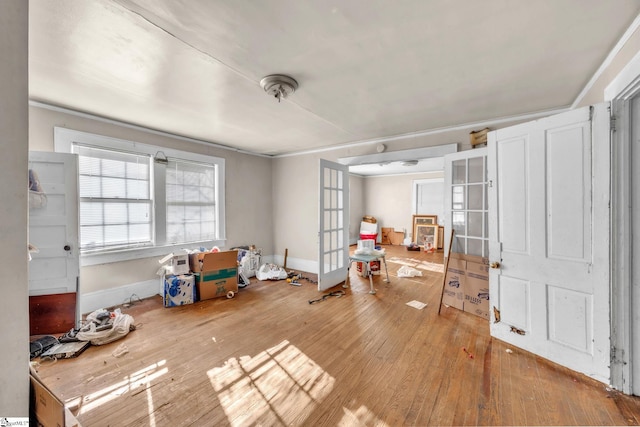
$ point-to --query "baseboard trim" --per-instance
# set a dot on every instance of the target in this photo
(93, 301)
(298, 264)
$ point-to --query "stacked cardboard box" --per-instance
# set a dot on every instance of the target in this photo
(466, 284)
(216, 272)
(178, 289)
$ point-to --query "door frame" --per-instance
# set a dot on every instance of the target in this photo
(414, 193)
(620, 92)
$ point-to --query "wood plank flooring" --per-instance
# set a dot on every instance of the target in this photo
(268, 357)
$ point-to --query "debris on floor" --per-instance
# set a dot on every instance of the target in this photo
(337, 294)
(271, 272)
(120, 351)
(406, 271)
(417, 304)
(101, 327)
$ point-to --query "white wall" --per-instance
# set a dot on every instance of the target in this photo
(389, 199)
(14, 128)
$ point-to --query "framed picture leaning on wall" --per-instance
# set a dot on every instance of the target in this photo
(427, 235)
(422, 220)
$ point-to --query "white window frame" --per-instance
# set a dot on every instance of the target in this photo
(63, 142)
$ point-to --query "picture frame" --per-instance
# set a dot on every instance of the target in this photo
(422, 220)
(427, 235)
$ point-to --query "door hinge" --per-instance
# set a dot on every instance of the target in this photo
(612, 123)
(518, 331)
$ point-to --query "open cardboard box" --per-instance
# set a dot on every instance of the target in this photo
(46, 407)
(217, 273)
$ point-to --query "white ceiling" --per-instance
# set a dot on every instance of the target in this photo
(366, 69)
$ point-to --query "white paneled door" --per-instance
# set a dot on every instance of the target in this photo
(549, 238)
(334, 224)
(53, 225)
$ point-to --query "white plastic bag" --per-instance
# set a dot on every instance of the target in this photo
(121, 325)
(406, 271)
(271, 272)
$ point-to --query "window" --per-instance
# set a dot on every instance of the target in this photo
(115, 198)
(138, 197)
(191, 201)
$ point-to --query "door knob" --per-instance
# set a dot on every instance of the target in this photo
(67, 248)
(494, 264)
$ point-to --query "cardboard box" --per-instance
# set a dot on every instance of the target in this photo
(476, 296)
(176, 264)
(217, 273)
(385, 238)
(397, 238)
(454, 282)
(47, 408)
(178, 289)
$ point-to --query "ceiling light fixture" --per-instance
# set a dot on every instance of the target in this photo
(279, 85)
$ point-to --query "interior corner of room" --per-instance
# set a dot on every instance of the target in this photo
(496, 142)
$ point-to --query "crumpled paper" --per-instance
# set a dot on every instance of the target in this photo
(406, 271)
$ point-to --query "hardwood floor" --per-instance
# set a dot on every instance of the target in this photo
(268, 357)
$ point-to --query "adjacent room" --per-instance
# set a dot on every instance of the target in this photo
(305, 213)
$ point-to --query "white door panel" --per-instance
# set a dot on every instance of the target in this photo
(53, 228)
(334, 224)
(548, 230)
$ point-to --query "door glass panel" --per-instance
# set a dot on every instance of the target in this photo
(474, 228)
(476, 169)
(486, 226)
(458, 245)
(459, 171)
(457, 197)
(476, 197)
(459, 223)
(474, 246)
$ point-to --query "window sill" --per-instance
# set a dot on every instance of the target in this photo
(99, 258)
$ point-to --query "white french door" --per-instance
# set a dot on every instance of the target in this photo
(334, 224)
(465, 202)
(549, 238)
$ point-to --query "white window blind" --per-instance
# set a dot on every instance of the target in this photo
(191, 201)
(115, 198)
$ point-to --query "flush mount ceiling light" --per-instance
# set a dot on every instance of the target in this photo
(279, 85)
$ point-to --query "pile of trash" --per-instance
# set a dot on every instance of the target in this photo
(101, 327)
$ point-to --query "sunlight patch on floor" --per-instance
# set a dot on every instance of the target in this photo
(131, 383)
(360, 417)
(279, 386)
(418, 264)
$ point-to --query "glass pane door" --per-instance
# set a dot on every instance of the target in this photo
(466, 203)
